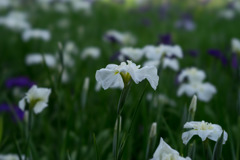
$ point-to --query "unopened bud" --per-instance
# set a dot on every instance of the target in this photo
(118, 124)
(153, 131)
(193, 105)
(86, 84)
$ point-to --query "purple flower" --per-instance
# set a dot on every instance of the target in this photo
(186, 23)
(19, 82)
(165, 39)
(218, 55)
(15, 112)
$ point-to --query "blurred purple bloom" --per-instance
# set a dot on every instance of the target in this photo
(215, 53)
(146, 22)
(218, 55)
(15, 112)
(163, 10)
(19, 82)
(111, 39)
(115, 56)
(186, 23)
(165, 39)
(230, 5)
(234, 61)
(193, 53)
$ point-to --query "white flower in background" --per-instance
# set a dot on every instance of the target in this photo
(204, 130)
(157, 52)
(171, 63)
(8, 3)
(160, 99)
(36, 34)
(227, 14)
(165, 54)
(37, 99)
(134, 54)
(79, 5)
(92, 52)
(153, 52)
(37, 58)
(63, 23)
(10, 157)
(204, 91)
(193, 74)
(16, 21)
(171, 51)
(235, 45)
(154, 63)
(61, 7)
(70, 47)
(124, 38)
(165, 152)
(120, 75)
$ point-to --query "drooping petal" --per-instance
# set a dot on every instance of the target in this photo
(22, 104)
(39, 107)
(149, 73)
(108, 78)
(171, 63)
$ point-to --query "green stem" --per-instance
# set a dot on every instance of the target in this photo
(121, 103)
(207, 150)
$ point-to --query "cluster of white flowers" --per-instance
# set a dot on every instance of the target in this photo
(36, 34)
(114, 76)
(37, 58)
(165, 54)
(8, 3)
(37, 99)
(230, 12)
(16, 21)
(123, 38)
(195, 84)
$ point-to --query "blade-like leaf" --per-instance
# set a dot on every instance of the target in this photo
(218, 148)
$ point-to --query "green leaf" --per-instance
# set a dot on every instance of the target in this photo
(192, 150)
(218, 148)
(1, 128)
(95, 145)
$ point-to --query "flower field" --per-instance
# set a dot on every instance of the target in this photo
(119, 80)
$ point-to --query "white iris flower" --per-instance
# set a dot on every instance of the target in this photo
(120, 75)
(36, 34)
(195, 84)
(193, 74)
(165, 54)
(165, 152)
(204, 91)
(204, 130)
(134, 54)
(92, 52)
(37, 99)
